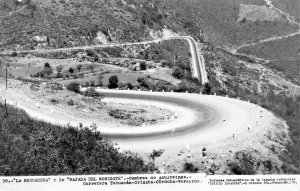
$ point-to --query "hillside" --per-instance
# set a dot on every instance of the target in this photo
(30, 147)
(283, 55)
(248, 48)
(65, 23)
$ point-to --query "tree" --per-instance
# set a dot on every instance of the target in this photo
(79, 66)
(59, 68)
(113, 81)
(71, 70)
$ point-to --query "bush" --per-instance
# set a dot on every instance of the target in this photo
(143, 65)
(91, 92)
(129, 85)
(92, 83)
(54, 101)
(191, 168)
(178, 73)
(71, 70)
(71, 102)
(74, 86)
(113, 81)
(207, 89)
(91, 53)
(35, 148)
(47, 65)
(143, 82)
(156, 153)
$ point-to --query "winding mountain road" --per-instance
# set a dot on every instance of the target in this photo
(201, 119)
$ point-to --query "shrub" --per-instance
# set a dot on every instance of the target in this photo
(143, 65)
(189, 167)
(54, 101)
(178, 73)
(91, 53)
(47, 65)
(143, 82)
(129, 85)
(91, 92)
(113, 81)
(57, 150)
(207, 88)
(92, 83)
(71, 102)
(166, 63)
(156, 153)
(14, 54)
(71, 70)
(74, 86)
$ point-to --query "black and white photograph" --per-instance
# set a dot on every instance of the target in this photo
(154, 90)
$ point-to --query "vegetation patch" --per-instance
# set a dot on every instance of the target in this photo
(30, 147)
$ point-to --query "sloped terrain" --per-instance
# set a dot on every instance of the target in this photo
(265, 70)
(62, 23)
